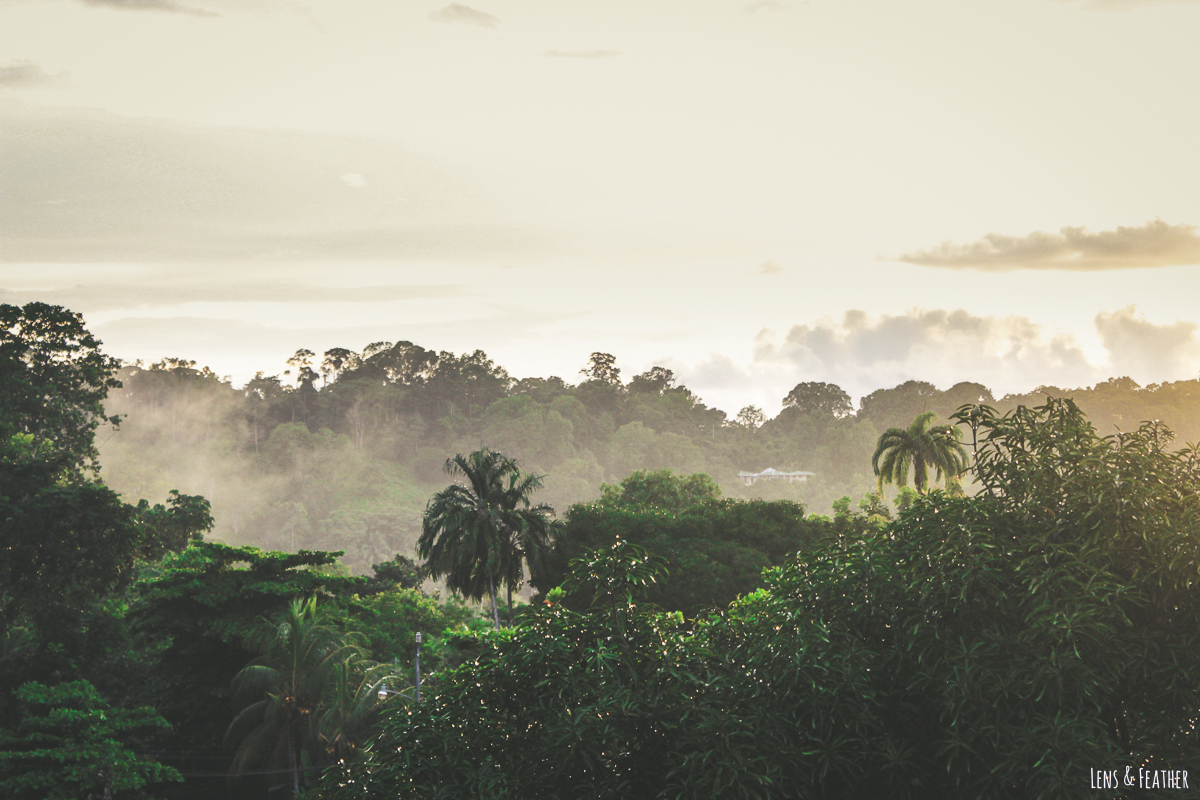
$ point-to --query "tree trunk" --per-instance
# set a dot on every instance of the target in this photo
(495, 611)
(510, 606)
(295, 765)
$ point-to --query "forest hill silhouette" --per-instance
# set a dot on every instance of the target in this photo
(1059, 558)
(342, 451)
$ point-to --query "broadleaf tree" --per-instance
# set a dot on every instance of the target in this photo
(55, 380)
(816, 397)
(70, 743)
(1001, 645)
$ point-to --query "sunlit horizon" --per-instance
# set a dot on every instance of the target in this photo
(752, 195)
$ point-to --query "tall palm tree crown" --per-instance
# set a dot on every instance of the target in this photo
(921, 447)
(296, 710)
(478, 534)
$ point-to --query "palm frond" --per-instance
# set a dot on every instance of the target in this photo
(477, 534)
(919, 448)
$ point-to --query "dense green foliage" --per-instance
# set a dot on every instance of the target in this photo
(202, 613)
(55, 381)
(69, 550)
(814, 397)
(65, 542)
(198, 611)
(563, 706)
(996, 646)
(347, 461)
(1000, 645)
(659, 489)
(715, 549)
(343, 452)
(308, 699)
(113, 614)
(70, 743)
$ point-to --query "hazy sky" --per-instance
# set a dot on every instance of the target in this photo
(750, 193)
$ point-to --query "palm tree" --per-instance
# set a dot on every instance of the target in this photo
(478, 534)
(351, 707)
(286, 694)
(921, 447)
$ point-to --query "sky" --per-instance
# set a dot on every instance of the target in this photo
(752, 194)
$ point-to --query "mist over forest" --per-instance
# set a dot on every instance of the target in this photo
(1051, 580)
(627, 257)
(342, 451)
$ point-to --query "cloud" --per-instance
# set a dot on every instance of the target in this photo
(168, 292)
(770, 268)
(151, 5)
(862, 353)
(857, 351)
(1155, 244)
(1125, 5)
(85, 185)
(581, 53)
(765, 5)
(209, 8)
(25, 75)
(719, 370)
(1147, 352)
(934, 345)
(354, 179)
(458, 13)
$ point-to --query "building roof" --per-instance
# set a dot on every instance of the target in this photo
(771, 472)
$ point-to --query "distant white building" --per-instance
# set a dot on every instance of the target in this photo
(769, 474)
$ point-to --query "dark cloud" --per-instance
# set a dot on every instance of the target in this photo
(1147, 352)
(25, 75)
(465, 15)
(1155, 244)
(151, 5)
(581, 53)
(116, 295)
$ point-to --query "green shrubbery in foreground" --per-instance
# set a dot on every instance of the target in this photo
(1008, 645)
(999, 646)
